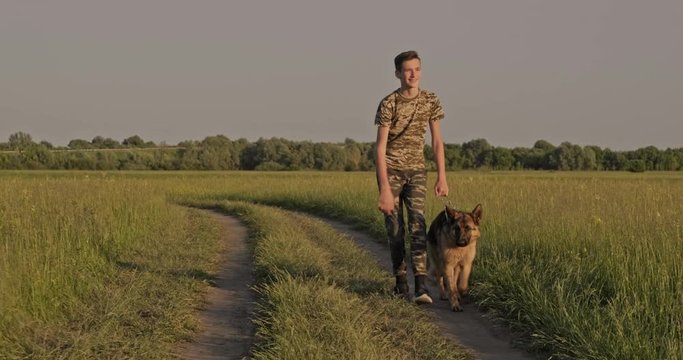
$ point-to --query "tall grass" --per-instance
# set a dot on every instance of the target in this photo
(325, 298)
(95, 267)
(587, 265)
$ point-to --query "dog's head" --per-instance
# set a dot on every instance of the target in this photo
(463, 226)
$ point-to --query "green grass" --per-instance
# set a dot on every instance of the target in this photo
(585, 264)
(322, 297)
(98, 268)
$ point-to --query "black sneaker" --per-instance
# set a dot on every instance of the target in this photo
(401, 289)
(421, 293)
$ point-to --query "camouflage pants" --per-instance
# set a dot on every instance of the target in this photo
(409, 189)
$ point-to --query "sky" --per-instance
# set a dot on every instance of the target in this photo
(591, 72)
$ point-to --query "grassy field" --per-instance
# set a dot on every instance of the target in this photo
(93, 267)
(585, 264)
(324, 298)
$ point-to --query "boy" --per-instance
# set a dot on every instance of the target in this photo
(402, 118)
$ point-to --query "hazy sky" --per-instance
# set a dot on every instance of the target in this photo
(601, 72)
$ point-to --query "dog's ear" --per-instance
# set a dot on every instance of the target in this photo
(476, 214)
(451, 213)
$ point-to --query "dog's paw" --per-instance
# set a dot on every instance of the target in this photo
(457, 308)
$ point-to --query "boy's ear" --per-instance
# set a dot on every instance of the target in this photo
(397, 74)
(476, 214)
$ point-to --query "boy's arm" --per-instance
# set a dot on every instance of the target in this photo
(441, 186)
(385, 202)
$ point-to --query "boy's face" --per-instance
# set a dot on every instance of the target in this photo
(410, 74)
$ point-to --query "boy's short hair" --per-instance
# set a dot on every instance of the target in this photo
(405, 56)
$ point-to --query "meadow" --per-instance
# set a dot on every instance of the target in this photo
(583, 265)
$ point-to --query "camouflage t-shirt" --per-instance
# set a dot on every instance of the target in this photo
(407, 120)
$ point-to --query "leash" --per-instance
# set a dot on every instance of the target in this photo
(446, 203)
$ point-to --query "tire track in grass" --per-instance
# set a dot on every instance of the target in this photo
(470, 328)
(227, 330)
(226, 327)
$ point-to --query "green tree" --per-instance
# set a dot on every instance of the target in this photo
(569, 157)
(249, 157)
(323, 156)
(76, 144)
(35, 157)
(353, 154)
(650, 155)
(669, 161)
(105, 143)
(544, 145)
(453, 156)
(636, 165)
(502, 158)
(590, 161)
(106, 160)
(20, 140)
(478, 153)
(47, 144)
(599, 154)
(521, 156)
(133, 141)
(305, 155)
(217, 154)
(612, 160)
(97, 141)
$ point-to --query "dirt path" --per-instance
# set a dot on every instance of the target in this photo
(227, 331)
(469, 328)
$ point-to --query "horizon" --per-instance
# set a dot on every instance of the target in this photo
(177, 144)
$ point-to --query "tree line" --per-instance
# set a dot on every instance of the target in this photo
(221, 153)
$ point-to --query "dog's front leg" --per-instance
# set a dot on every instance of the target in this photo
(441, 282)
(463, 281)
(451, 275)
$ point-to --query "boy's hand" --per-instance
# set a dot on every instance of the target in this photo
(441, 188)
(386, 202)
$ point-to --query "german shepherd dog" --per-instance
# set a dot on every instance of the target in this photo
(452, 245)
